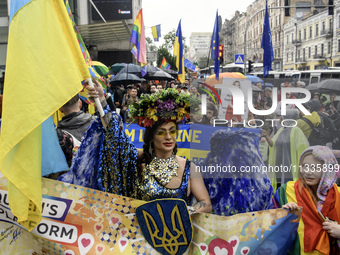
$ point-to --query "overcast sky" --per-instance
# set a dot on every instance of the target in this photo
(196, 15)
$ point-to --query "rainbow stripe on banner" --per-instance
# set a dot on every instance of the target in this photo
(165, 64)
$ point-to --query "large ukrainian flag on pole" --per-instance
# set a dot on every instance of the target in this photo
(44, 70)
(178, 52)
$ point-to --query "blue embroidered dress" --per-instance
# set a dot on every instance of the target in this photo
(107, 161)
(237, 191)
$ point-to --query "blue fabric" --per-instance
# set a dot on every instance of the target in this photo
(84, 168)
(215, 44)
(267, 45)
(158, 28)
(52, 157)
(233, 193)
(180, 43)
(16, 5)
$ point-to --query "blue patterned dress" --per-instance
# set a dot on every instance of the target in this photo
(107, 161)
(237, 192)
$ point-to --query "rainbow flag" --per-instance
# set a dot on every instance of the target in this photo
(178, 52)
(134, 51)
(138, 39)
(165, 65)
(46, 40)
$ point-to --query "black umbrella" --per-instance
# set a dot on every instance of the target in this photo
(171, 72)
(325, 86)
(160, 75)
(125, 79)
(131, 69)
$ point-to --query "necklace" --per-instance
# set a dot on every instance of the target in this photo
(163, 169)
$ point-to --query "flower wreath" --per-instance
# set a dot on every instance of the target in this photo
(168, 105)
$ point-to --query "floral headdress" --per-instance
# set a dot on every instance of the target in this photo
(168, 105)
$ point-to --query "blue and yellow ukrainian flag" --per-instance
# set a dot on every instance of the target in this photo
(40, 35)
(178, 52)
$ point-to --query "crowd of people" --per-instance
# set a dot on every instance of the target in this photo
(107, 160)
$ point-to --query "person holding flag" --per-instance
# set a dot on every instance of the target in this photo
(178, 52)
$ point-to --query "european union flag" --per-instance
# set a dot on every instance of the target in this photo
(267, 45)
(215, 43)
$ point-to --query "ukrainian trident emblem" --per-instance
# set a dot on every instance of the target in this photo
(166, 225)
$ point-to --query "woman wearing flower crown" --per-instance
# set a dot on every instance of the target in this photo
(107, 160)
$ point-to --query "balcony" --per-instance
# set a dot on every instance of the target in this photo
(326, 32)
(301, 61)
(319, 57)
(297, 42)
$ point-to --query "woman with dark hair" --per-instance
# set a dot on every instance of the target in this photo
(154, 173)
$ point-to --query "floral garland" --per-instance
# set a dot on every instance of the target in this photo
(168, 105)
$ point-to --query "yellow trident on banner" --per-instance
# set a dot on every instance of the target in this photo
(168, 241)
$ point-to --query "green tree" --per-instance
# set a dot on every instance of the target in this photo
(203, 62)
(167, 48)
(163, 52)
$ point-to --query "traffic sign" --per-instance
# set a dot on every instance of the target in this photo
(239, 59)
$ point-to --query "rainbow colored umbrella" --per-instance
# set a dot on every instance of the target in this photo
(100, 67)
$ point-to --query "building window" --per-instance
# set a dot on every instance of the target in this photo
(329, 48)
(292, 56)
(309, 52)
(305, 34)
(287, 39)
(338, 45)
(310, 32)
(323, 25)
(322, 49)
(279, 36)
(275, 56)
(299, 54)
(317, 29)
(278, 53)
(292, 37)
(275, 37)
(299, 35)
(330, 24)
(315, 50)
(304, 54)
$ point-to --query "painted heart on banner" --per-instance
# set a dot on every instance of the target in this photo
(219, 251)
(245, 250)
(124, 232)
(100, 249)
(115, 220)
(203, 248)
(98, 228)
(123, 243)
(219, 246)
(263, 251)
(85, 243)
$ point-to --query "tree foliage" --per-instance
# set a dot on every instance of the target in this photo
(167, 48)
(203, 62)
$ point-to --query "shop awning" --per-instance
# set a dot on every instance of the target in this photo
(105, 32)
